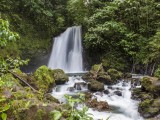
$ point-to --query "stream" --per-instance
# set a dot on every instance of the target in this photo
(124, 108)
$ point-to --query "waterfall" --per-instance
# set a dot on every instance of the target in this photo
(67, 51)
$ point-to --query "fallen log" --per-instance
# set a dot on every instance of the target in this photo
(22, 80)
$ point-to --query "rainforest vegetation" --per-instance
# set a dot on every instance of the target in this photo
(121, 34)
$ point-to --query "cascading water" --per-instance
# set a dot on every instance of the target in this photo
(67, 51)
(67, 55)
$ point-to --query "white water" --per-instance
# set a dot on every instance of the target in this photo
(60, 90)
(67, 51)
(125, 107)
(67, 55)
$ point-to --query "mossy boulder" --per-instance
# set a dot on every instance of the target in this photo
(114, 74)
(127, 75)
(94, 86)
(152, 85)
(60, 76)
(43, 78)
(97, 68)
(104, 78)
(149, 108)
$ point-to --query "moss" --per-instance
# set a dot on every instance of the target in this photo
(95, 86)
(59, 76)
(114, 74)
(146, 103)
(104, 78)
(97, 67)
(43, 78)
(149, 108)
(40, 114)
(146, 83)
(157, 72)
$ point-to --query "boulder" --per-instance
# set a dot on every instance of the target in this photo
(152, 85)
(95, 86)
(104, 78)
(80, 85)
(43, 78)
(100, 106)
(106, 91)
(114, 74)
(97, 68)
(119, 93)
(127, 75)
(149, 108)
(71, 89)
(59, 76)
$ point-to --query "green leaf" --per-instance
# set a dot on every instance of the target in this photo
(4, 116)
(57, 115)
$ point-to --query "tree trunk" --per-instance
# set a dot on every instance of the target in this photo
(153, 68)
(146, 69)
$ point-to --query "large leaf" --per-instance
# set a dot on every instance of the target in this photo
(57, 115)
(4, 116)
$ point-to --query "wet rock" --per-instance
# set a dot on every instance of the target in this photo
(80, 85)
(71, 89)
(88, 96)
(110, 87)
(100, 106)
(106, 91)
(119, 93)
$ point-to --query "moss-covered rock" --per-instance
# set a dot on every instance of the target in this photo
(127, 75)
(95, 86)
(60, 76)
(149, 108)
(43, 78)
(104, 78)
(97, 68)
(114, 74)
(152, 85)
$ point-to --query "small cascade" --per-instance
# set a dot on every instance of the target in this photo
(72, 87)
(67, 51)
(118, 97)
